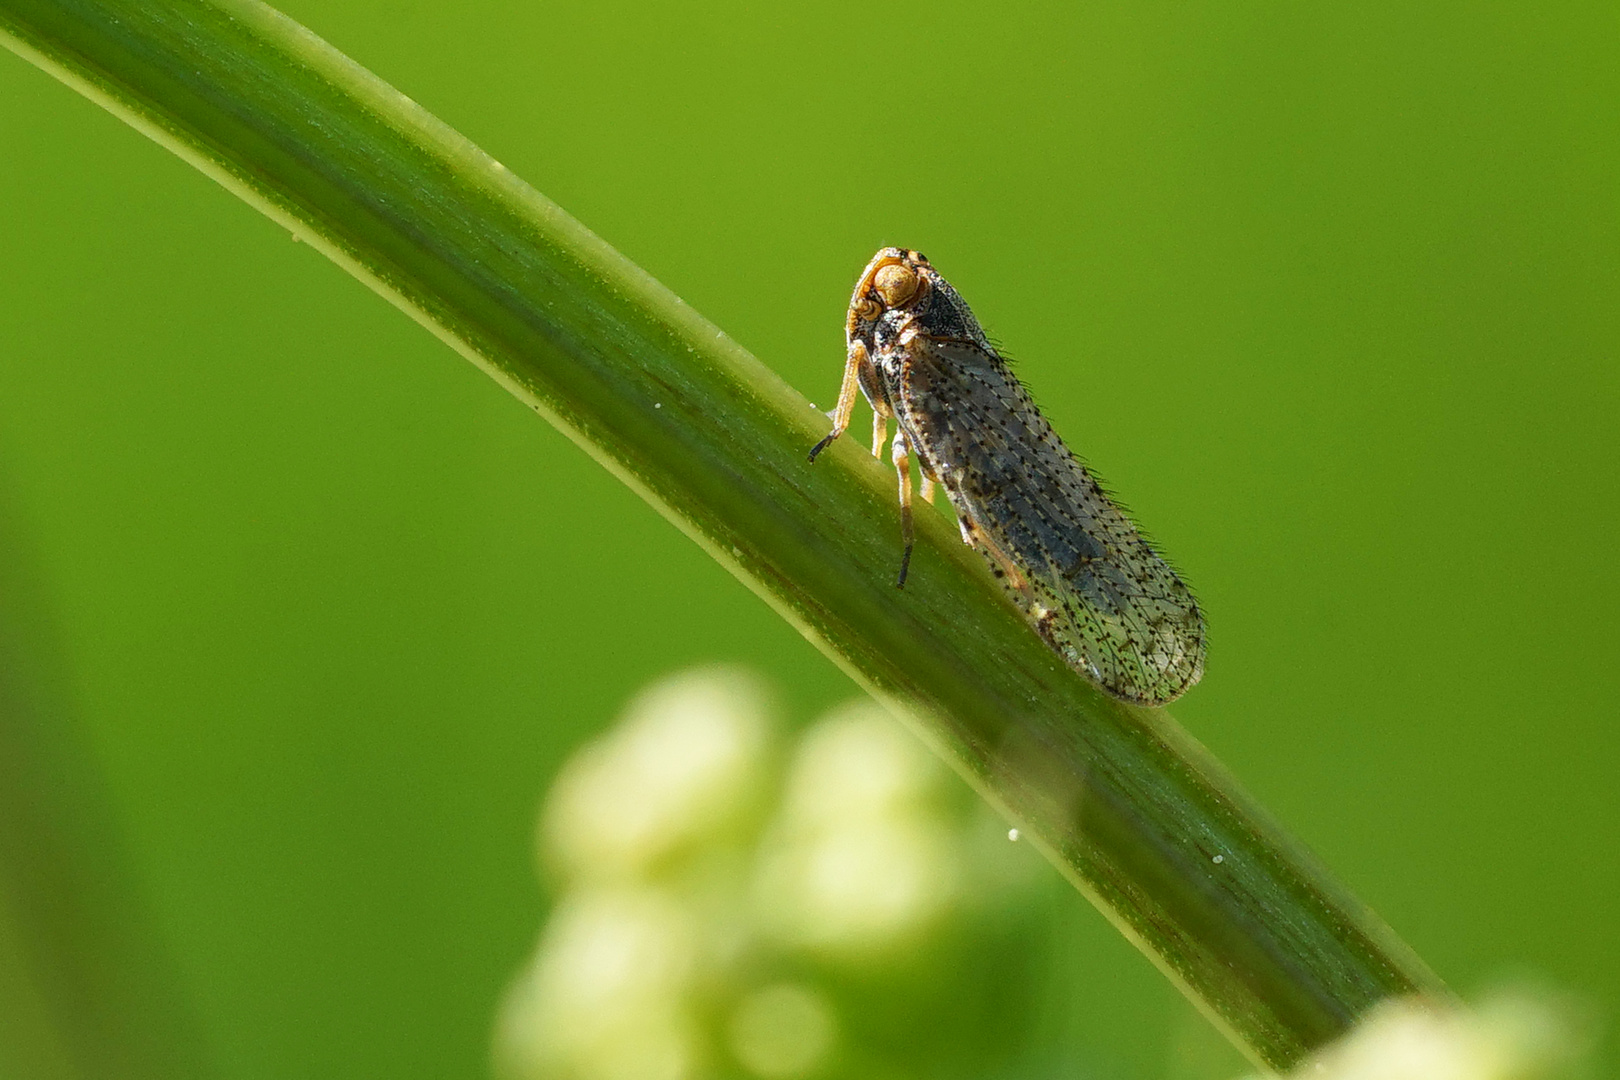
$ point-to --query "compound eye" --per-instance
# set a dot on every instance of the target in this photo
(896, 283)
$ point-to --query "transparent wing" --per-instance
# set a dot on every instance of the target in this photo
(1092, 586)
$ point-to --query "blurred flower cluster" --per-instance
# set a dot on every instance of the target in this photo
(1517, 1033)
(735, 903)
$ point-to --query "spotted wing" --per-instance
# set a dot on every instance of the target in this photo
(1094, 589)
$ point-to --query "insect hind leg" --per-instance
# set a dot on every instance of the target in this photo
(975, 536)
(902, 465)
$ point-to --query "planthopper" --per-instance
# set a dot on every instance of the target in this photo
(1089, 582)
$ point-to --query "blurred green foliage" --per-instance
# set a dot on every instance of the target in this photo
(1330, 294)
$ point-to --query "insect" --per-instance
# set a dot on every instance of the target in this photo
(1088, 581)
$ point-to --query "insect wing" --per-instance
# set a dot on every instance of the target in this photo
(1093, 587)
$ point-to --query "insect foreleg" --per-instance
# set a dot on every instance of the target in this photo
(902, 465)
(846, 396)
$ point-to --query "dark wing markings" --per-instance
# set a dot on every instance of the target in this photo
(1113, 607)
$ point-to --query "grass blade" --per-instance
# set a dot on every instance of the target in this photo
(85, 988)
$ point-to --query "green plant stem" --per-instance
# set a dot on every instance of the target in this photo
(1121, 799)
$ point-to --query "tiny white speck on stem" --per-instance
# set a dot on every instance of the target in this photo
(1012, 834)
(1218, 859)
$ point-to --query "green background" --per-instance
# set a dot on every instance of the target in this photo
(1329, 293)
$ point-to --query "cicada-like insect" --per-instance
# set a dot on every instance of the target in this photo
(1090, 584)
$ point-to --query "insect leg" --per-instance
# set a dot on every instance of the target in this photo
(926, 492)
(846, 397)
(977, 536)
(880, 430)
(902, 465)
